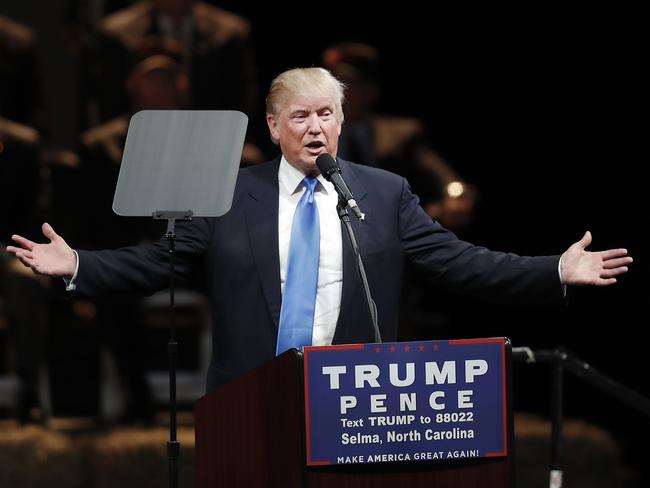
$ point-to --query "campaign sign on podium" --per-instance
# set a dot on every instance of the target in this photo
(407, 401)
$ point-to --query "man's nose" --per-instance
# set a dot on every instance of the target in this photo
(314, 124)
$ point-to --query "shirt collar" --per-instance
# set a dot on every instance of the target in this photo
(290, 179)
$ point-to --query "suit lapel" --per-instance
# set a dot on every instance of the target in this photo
(262, 225)
(350, 276)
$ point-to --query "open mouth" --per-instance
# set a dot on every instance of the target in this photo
(315, 145)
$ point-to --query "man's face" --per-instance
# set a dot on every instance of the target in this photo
(306, 128)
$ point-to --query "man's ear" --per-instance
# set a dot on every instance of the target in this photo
(272, 122)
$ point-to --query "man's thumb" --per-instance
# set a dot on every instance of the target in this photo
(586, 240)
(48, 232)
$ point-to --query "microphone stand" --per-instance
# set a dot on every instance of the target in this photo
(342, 210)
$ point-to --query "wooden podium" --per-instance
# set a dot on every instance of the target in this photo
(251, 433)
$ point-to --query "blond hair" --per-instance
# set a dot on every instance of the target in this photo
(306, 82)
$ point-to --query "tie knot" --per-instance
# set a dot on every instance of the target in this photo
(310, 185)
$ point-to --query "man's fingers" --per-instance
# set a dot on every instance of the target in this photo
(28, 255)
(24, 254)
(610, 273)
(616, 262)
(20, 252)
(613, 253)
(22, 242)
(26, 258)
(606, 282)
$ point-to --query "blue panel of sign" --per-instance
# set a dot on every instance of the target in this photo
(408, 401)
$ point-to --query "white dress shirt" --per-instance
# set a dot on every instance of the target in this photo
(330, 264)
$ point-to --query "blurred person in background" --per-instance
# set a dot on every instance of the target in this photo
(24, 301)
(157, 82)
(396, 143)
(400, 144)
(212, 45)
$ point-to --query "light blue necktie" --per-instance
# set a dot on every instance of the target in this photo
(299, 298)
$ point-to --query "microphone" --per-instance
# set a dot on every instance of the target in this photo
(330, 170)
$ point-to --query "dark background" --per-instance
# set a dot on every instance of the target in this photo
(544, 108)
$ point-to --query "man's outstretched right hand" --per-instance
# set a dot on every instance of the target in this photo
(53, 259)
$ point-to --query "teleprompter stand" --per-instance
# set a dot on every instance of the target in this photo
(184, 162)
(173, 445)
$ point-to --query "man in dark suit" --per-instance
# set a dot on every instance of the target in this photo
(247, 254)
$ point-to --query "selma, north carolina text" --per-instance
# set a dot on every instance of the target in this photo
(410, 436)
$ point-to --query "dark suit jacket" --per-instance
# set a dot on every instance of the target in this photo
(239, 254)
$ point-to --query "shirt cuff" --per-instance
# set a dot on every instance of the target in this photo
(559, 271)
(69, 283)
